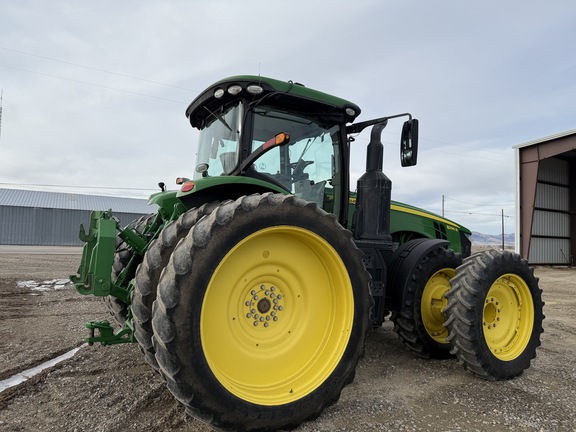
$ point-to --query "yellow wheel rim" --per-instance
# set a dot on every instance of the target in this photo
(508, 317)
(433, 303)
(277, 315)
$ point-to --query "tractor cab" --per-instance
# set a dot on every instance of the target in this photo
(280, 133)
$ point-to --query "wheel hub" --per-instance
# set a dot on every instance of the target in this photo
(264, 305)
(508, 315)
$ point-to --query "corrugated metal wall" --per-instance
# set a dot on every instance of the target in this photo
(550, 242)
(46, 227)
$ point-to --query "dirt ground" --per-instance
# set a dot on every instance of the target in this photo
(113, 389)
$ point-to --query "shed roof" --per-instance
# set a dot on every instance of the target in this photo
(73, 201)
(545, 139)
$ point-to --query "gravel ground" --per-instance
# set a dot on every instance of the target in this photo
(112, 388)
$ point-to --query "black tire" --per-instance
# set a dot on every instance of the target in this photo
(420, 322)
(495, 313)
(241, 371)
(122, 256)
(148, 275)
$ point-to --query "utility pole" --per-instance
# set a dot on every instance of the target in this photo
(442, 205)
(502, 229)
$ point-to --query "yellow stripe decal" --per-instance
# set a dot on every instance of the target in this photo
(427, 215)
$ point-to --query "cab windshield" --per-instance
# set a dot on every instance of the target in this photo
(219, 142)
(305, 166)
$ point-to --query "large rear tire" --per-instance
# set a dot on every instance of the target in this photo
(262, 314)
(148, 275)
(495, 314)
(420, 322)
(122, 256)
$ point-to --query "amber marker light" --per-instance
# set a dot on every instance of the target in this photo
(279, 139)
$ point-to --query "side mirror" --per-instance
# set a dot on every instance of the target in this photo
(409, 143)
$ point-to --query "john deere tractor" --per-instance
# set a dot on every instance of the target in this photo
(254, 286)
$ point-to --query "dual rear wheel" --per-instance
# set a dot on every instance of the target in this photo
(261, 313)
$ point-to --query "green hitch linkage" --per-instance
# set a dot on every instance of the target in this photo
(106, 335)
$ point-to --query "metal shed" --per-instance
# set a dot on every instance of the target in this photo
(53, 218)
(546, 199)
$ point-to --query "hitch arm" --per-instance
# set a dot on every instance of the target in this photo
(106, 335)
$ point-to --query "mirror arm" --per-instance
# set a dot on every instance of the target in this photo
(280, 139)
(359, 127)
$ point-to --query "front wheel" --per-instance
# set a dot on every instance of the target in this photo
(262, 314)
(494, 314)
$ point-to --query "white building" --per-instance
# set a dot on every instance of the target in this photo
(53, 218)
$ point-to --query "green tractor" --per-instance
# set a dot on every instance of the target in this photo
(253, 288)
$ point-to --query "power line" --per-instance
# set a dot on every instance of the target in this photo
(97, 69)
(467, 155)
(474, 213)
(475, 205)
(424, 149)
(93, 84)
(467, 147)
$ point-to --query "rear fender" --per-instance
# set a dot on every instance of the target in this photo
(402, 265)
(171, 207)
(223, 188)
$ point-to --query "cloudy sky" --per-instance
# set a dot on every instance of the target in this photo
(94, 93)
